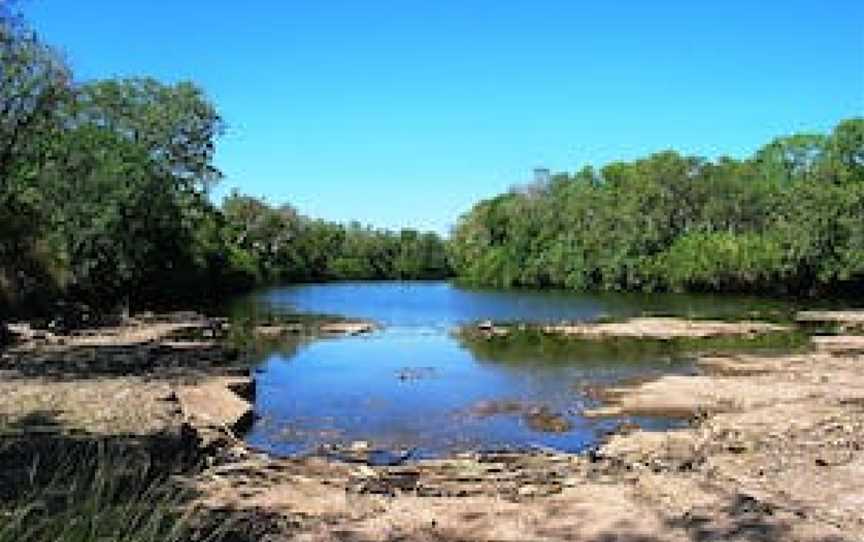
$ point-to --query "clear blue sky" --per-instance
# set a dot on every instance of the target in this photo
(404, 113)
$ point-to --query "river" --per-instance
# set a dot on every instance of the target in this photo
(416, 388)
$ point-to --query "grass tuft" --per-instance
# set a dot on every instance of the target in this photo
(92, 493)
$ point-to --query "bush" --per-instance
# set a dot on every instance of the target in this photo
(721, 262)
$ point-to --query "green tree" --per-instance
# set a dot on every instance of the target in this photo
(34, 82)
(120, 223)
(786, 220)
(176, 124)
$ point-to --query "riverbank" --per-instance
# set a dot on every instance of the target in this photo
(773, 451)
(150, 374)
(645, 328)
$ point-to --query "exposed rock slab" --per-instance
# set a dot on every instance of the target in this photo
(213, 405)
(120, 380)
(647, 328)
(104, 406)
(664, 329)
(346, 328)
(848, 320)
(273, 330)
(326, 328)
(840, 344)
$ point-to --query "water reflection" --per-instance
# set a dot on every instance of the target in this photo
(425, 393)
(440, 304)
(418, 388)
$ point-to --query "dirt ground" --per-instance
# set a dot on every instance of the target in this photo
(773, 451)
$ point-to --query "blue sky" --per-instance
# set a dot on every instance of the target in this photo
(405, 113)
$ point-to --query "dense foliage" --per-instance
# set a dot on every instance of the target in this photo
(788, 220)
(104, 198)
(278, 244)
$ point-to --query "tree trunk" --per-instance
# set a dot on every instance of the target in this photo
(5, 334)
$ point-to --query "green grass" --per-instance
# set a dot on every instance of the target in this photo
(93, 494)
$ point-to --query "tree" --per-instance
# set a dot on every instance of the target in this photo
(103, 198)
(846, 151)
(787, 220)
(34, 82)
(119, 221)
(793, 157)
(176, 124)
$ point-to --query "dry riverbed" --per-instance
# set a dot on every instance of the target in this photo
(775, 450)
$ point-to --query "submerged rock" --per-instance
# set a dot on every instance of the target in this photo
(537, 418)
(485, 409)
(363, 453)
(544, 420)
(416, 373)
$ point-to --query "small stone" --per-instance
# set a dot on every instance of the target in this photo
(544, 420)
(366, 471)
(359, 446)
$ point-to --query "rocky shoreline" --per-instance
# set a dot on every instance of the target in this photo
(774, 449)
(644, 328)
(151, 374)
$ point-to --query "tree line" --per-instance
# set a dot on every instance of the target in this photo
(104, 198)
(280, 245)
(787, 220)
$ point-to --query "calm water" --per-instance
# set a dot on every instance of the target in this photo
(415, 386)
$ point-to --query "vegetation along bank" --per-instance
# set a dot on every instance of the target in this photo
(104, 199)
(787, 220)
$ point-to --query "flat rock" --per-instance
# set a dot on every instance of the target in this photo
(849, 344)
(855, 317)
(213, 403)
(279, 330)
(346, 328)
(664, 329)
